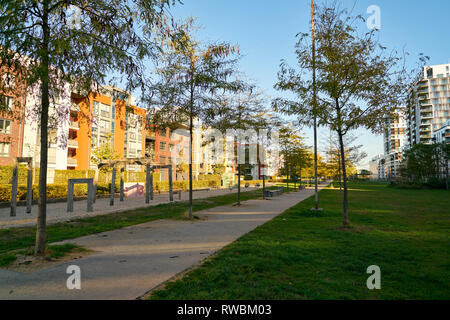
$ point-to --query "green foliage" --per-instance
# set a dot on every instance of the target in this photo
(426, 165)
(105, 152)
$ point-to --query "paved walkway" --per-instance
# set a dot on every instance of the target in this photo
(57, 212)
(131, 261)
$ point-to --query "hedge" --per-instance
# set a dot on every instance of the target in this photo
(55, 191)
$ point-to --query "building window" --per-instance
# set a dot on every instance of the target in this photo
(162, 146)
(171, 146)
(8, 80)
(4, 149)
(162, 132)
(6, 102)
(162, 160)
(5, 126)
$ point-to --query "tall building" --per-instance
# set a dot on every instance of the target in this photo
(395, 139)
(378, 167)
(429, 105)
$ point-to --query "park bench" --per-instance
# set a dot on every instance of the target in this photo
(273, 193)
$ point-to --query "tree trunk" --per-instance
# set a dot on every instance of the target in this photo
(264, 182)
(344, 175)
(190, 166)
(340, 173)
(42, 201)
(239, 184)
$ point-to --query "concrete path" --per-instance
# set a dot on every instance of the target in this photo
(57, 212)
(131, 261)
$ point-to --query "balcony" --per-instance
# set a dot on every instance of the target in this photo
(74, 125)
(71, 143)
(105, 114)
(150, 136)
(71, 162)
(74, 107)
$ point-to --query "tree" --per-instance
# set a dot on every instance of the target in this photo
(82, 43)
(182, 168)
(191, 78)
(296, 155)
(425, 162)
(104, 152)
(242, 111)
(353, 155)
(358, 83)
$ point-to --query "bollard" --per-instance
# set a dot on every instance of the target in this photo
(14, 181)
(113, 183)
(121, 184)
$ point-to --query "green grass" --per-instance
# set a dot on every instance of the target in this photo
(53, 252)
(300, 255)
(21, 238)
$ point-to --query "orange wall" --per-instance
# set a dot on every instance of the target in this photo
(84, 134)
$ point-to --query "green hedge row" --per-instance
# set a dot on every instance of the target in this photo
(56, 191)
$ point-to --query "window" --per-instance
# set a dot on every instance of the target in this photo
(162, 132)
(162, 160)
(8, 80)
(4, 149)
(162, 146)
(6, 102)
(171, 146)
(5, 126)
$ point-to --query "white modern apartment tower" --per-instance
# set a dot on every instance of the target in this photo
(429, 107)
(395, 139)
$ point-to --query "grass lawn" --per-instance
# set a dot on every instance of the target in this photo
(24, 238)
(299, 255)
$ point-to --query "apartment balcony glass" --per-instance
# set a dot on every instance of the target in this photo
(71, 162)
(72, 143)
(74, 125)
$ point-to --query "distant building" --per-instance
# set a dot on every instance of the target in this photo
(378, 168)
(442, 135)
(395, 139)
(429, 106)
(11, 123)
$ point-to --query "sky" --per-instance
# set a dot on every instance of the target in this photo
(265, 32)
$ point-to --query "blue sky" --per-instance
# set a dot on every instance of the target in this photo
(265, 31)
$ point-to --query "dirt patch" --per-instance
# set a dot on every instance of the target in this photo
(29, 263)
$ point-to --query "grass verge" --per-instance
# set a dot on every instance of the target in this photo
(300, 255)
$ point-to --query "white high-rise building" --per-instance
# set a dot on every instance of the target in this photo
(429, 108)
(395, 139)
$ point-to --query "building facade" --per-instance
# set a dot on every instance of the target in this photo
(429, 106)
(442, 135)
(395, 139)
(12, 104)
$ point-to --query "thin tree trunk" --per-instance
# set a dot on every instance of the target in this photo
(264, 182)
(239, 184)
(340, 173)
(42, 201)
(344, 175)
(190, 166)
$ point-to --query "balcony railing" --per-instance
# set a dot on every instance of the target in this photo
(74, 125)
(71, 162)
(72, 143)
